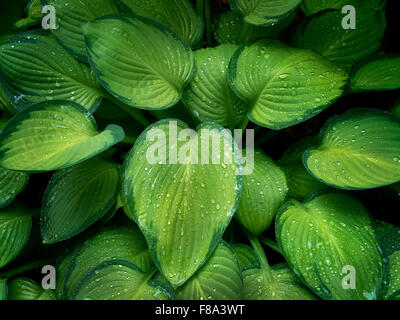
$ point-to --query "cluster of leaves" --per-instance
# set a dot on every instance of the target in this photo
(118, 227)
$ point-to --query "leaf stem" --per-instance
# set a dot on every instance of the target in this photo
(134, 113)
(25, 22)
(244, 123)
(244, 32)
(270, 243)
(260, 254)
(27, 267)
(200, 8)
(207, 11)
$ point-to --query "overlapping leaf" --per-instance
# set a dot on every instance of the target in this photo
(329, 241)
(359, 150)
(139, 61)
(246, 256)
(53, 135)
(72, 15)
(178, 15)
(15, 227)
(209, 96)
(313, 6)
(391, 252)
(284, 86)
(264, 12)
(263, 192)
(27, 289)
(37, 68)
(378, 75)
(77, 197)
(182, 204)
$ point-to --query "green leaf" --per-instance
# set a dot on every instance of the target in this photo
(359, 149)
(229, 29)
(263, 192)
(72, 15)
(208, 95)
(284, 285)
(139, 61)
(391, 252)
(246, 256)
(301, 183)
(323, 236)
(15, 227)
(37, 68)
(382, 228)
(313, 6)
(53, 135)
(396, 109)
(128, 281)
(11, 184)
(284, 86)
(182, 207)
(77, 197)
(220, 278)
(4, 101)
(112, 243)
(3, 289)
(325, 35)
(263, 12)
(27, 289)
(178, 15)
(378, 75)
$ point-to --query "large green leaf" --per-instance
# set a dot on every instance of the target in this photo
(27, 289)
(391, 252)
(72, 15)
(322, 237)
(77, 197)
(15, 227)
(209, 96)
(112, 243)
(228, 28)
(325, 35)
(53, 135)
(139, 61)
(301, 183)
(178, 15)
(246, 256)
(220, 278)
(283, 85)
(378, 75)
(121, 280)
(263, 12)
(359, 149)
(282, 284)
(182, 207)
(313, 6)
(37, 68)
(263, 192)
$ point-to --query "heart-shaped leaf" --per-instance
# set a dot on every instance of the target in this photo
(246, 256)
(391, 251)
(15, 227)
(182, 205)
(359, 149)
(330, 244)
(301, 182)
(378, 75)
(27, 289)
(72, 15)
(209, 96)
(284, 86)
(112, 243)
(77, 197)
(264, 12)
(229, 29)
(128, 281)
(313, 6)
(263, 192)
(283, 285)
(177, 15)
(325, 35)
(37, 68)
(139, 61)
(53, 135)
(220, 278)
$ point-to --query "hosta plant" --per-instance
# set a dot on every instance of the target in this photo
(199, 150)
